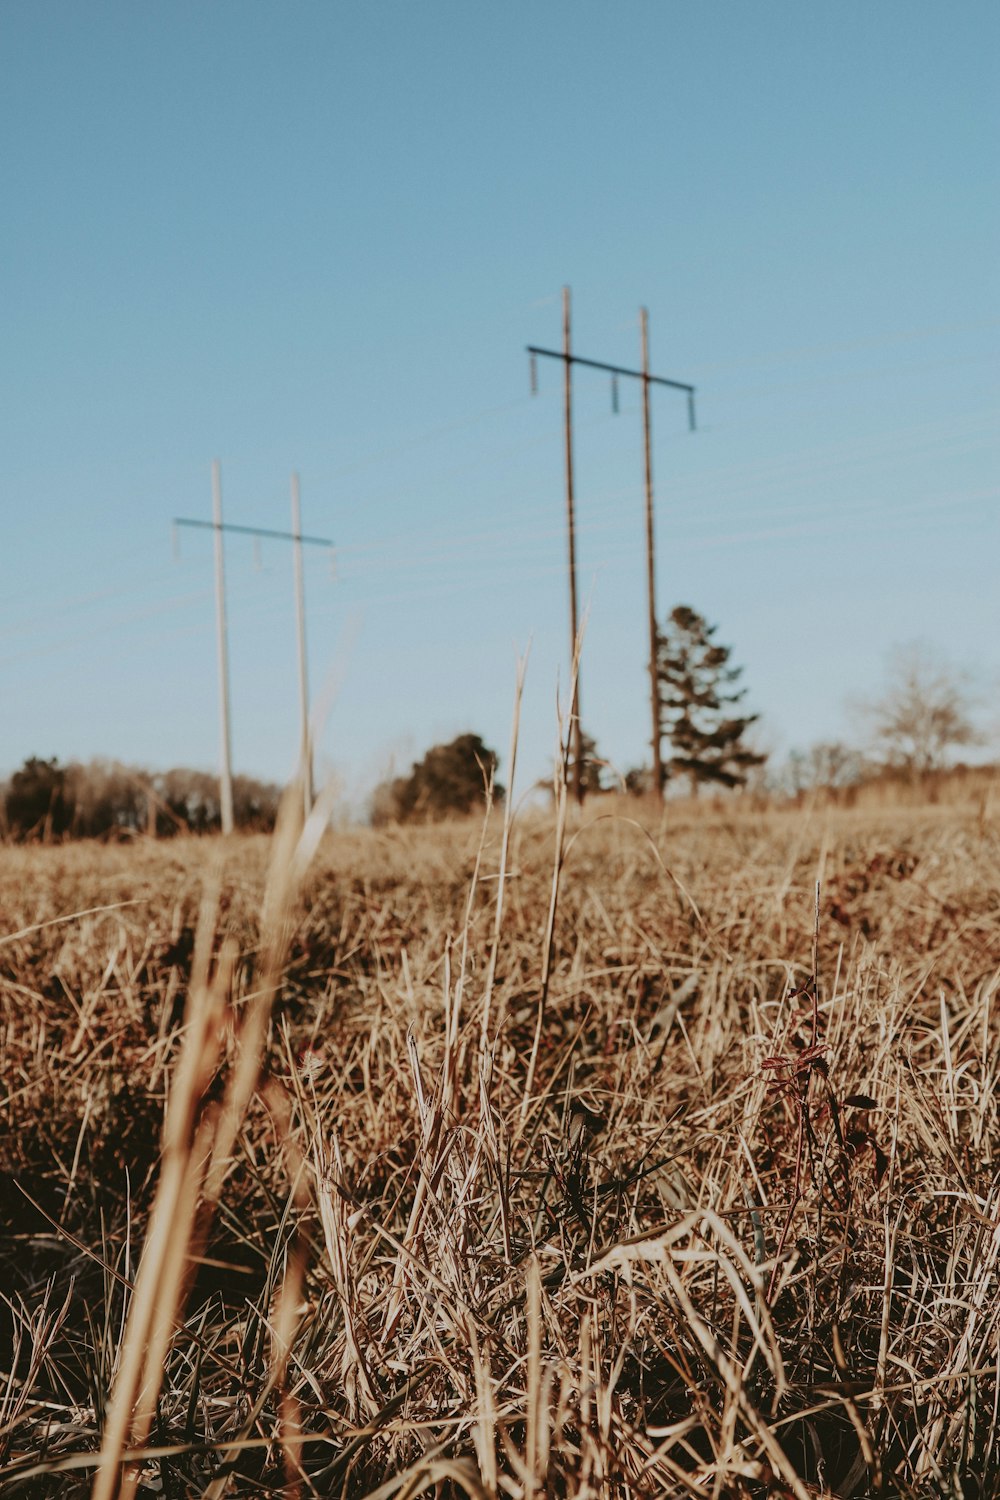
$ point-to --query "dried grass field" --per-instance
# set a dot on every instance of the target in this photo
(596, 1161)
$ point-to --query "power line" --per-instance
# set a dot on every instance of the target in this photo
(694, 534)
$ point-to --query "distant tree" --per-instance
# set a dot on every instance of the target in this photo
(828, 764)
(105, 799)
(108, 799)
(639, 781)
(255, 803)
(592, 767)
(449, 780)
(596, 775)
(697, 695)
(925, 711)
(190, 796)
(37, 802)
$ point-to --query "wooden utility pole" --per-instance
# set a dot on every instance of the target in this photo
(226, 777)
(295, 535)
(654, 676)
(647, 379)
(574, 706)
(300, 619)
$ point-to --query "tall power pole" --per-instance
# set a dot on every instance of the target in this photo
(647, 380)
(300, 621)
(226, 777)
(574, 707)
(295, 535)
(654, 676)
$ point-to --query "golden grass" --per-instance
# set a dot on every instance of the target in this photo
(506, 1160)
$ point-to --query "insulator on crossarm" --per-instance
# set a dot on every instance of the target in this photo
(614, 394)
(534, 375)
(692, 425)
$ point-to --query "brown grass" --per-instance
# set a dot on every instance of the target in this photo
(282, 1211)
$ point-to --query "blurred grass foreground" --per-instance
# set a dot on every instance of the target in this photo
(540, 1156)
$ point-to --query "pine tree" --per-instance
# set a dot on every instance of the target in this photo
(697, 698)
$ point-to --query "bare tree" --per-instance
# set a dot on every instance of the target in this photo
(924, 712)
(828, 764)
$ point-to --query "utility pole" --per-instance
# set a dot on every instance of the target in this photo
(226, 779)
(647, 380)
(654, 676)
(574, 707)
(295, 535)
(300, 620)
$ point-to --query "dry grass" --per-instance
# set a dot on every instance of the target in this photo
(379, 1187)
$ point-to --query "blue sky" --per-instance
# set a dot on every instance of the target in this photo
(319, 236)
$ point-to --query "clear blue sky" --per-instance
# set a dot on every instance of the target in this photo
(319, 235)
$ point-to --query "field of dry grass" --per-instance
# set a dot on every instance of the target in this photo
(680, 1184)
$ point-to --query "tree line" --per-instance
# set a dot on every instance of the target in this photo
(106, 799)
(923, 714)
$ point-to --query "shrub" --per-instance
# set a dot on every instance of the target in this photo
(451, 779)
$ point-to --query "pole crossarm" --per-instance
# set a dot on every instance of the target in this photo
(281, 536)
(599, 364)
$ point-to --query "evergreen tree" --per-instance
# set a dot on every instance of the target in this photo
(697, 700)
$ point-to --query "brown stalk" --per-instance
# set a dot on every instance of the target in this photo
(198, 1141)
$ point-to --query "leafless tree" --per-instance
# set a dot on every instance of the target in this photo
(924, 712)
(826, 765)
